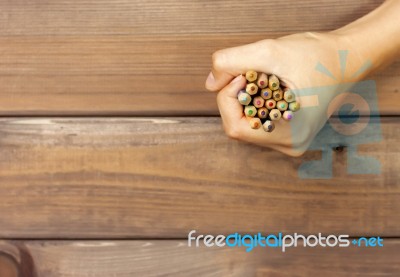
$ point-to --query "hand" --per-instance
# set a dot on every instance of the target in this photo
(293, 59)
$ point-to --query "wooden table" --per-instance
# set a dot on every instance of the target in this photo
(111, 150)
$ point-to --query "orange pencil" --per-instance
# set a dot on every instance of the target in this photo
(255, 123)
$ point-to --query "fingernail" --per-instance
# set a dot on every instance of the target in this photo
(237, 79)
(210, 79)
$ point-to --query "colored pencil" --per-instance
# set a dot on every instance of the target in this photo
(273, 82)
(251, 75)
(282, 105)
(268, 126)
(270, 104)
(258, 102)
(277, 94)
(244, 98)
(262, 112)
(262, 80)
(266, 93)
(287, 115)
(289, 96)
(251, 88)
(265, 100)
(275, 114)
(250, 111)
(255, 123)
(294, 106)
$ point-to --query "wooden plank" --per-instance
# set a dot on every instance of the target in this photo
(128, 57)
(161, 177)
(126, 75)
(175, 258)
(66, 17)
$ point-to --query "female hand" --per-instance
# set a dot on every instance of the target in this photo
(293, 59)
(374, 38)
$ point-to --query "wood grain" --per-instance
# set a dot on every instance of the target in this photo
(121, 17)
(161, 177)
(143, 58)
(175, 258)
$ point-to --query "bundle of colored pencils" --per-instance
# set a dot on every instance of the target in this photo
(265, 100)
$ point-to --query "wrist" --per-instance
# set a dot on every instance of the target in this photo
(363, 56)
(374, 38)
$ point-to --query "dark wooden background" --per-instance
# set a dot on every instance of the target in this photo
(111, 151)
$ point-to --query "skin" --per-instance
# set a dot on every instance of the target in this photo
(374, 38)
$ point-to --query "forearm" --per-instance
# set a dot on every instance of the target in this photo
(376, 36)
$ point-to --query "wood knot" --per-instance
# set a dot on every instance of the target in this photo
(339, 148)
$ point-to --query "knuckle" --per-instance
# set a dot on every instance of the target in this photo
(268, 48)
(301, 145)
(232, 132)
(218, 58)
(296, 153)
(313, 35)
(210, 87)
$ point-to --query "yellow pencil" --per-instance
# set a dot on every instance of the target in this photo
(294, 106)
(251, 75)
(255, 123)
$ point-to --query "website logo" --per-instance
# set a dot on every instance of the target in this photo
(249, 242)
(347, 127)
